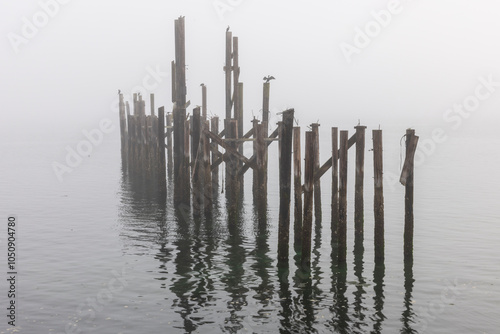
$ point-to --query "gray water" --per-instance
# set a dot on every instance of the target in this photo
(101, 252)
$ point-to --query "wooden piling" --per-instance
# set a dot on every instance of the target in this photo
(265, 102)
(297, 188)
(161, 144)
(335, 187)
(169, 131)
(308, 199)
(196, 160)
(359, 183)
(123, 124)
(204, 102)
(342, 227)
(378, 200)
(239, 117)
(227, 70)
(207, 178)
(236, 76)
(215, 150)
(317, 182)
(261, 159)
(285, 169)
(181, 152)
(407, 180)
(152, 103)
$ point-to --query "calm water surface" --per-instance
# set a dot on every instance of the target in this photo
(103, 252)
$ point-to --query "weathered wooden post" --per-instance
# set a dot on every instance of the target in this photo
(342, 228)
(181, 159)
(236, 76)
(285, 169)
(297, 188)
(255, 185)
(265, 102)
(239, 117)
(378, 200)
(232, 180)
(196, 161)
(152, 103)
(207, 179)
(227, 70)
(136, 107)
(169, 144)
(407, 180)
(123, 125)
(187, 131)
(359, 180)
(215, 150)
(204, 101)
(317, 183)
(308, 199)
(261, 158)
(335, 187)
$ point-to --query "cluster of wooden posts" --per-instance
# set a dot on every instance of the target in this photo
(196, 148)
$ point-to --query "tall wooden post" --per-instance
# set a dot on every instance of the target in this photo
(261, 159)
(196, 160)
(169, 131)
(265, 102)
(181, 161)
(359, 180)
(227, 70)
(215, 149)
(161, 144)
(378, 200)
(308, 199)
(297, 188)
(317, 183)
(236, 78)
(342, 228)
(255, 189)
(239, 117)
(407, 180)
(335, 187)
(285, 169)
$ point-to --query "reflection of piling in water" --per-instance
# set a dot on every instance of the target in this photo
(378, 281)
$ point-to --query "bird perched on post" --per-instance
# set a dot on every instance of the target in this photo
(227, 29)
(202, 84)
(119, 92)
(269, 78)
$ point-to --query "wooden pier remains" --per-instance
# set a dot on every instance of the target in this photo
(191, 150)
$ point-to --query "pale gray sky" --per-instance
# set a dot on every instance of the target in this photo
(427, 56)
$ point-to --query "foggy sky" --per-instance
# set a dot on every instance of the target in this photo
(428, 57)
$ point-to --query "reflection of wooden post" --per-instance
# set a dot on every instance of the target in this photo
(317, 183)
(308, 199)
(407, 180)
(360, 170)
(342, 228)
(297, 188)
(378, 200)
(285, 169)
(215, 148)
(335, 187)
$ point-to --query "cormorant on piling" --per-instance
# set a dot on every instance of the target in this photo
(119, 92)
(202, 84)
(269, 78)
(227, 29)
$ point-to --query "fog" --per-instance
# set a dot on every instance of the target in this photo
(419, 61)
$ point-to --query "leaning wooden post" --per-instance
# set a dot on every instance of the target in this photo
(169, 144)
(359, 180)
(317, 184)
(285, 169)
(227, 70)
(378, 200)
(407, 180)
(308, 199)
(196, 162)
(335, 187)
(297, 189)
(215, 150)
(342, 228)
(207, 178)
